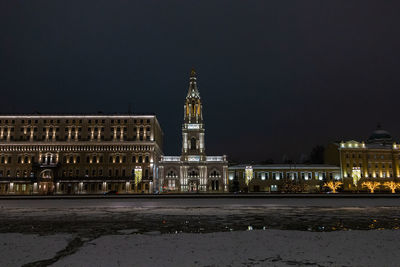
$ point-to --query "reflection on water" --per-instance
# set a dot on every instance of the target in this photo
(321, 219)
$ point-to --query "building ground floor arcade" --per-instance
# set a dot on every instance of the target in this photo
(74, 187)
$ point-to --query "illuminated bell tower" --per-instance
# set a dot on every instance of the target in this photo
(193, 148)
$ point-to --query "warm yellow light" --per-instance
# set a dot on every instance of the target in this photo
(356, 174)
(333, 185)
(138, 175)
(392, 186)
(371, 185)
(248, 174)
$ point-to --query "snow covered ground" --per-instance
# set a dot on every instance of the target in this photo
(18, 249)
(250, 248)
(200, 232)
(241, 248)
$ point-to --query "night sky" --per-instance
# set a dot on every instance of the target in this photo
(276, 77)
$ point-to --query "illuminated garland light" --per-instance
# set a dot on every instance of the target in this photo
(371, 186)
(356, 174)
(333, 185)
(138, 175)
(392, 186)
(248, 174)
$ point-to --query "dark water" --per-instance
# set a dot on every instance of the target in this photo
(111, 221)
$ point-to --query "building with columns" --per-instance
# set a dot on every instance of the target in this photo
(78, 154)
(375, 159)
(193, 170)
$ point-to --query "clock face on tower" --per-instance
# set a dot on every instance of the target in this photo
(193, 126)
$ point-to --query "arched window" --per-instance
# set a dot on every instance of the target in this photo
(193, 143)
(140, 159)
(171, 173)
(147, 159)
(133, 159)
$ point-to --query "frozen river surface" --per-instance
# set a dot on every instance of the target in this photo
(197, 215)
(82, 228)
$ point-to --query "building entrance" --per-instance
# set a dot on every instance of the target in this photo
(193, 186)
(46, 184)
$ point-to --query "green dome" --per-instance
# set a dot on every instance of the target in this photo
(380, 136)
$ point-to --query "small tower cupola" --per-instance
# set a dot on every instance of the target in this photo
(193, 108)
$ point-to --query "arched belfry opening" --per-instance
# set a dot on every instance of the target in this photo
(193, 143)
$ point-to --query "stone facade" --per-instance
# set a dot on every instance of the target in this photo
(78, 154)
(376, 159)
(193, 170)
(288, 178)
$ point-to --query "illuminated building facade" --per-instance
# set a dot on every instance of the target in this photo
(290, 178)
(376, 159)
(78, 154)
(193, 170)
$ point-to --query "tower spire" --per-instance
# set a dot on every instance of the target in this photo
(193, 91)
(193, 126)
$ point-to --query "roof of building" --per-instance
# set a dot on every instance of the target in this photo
(380, 136)
(99, 114)
(193, 91)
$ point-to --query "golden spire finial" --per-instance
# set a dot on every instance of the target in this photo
(193, 73)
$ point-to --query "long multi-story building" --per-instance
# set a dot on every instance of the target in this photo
(290, 178)
(376, 159)
(73, 154)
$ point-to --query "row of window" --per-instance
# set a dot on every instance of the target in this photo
(76, 159)
(370, 165)
(375, 156)
(17, 187)
(52, 129)
(6, 121)
(78, 173)
(192, 173)
(374, 174)
(78, 137)
(288, 175)
(112, 159)
(93, 187)
(99, 173)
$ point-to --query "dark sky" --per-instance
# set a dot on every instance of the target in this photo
(276, 77)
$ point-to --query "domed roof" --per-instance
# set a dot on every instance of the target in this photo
(380, 136)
